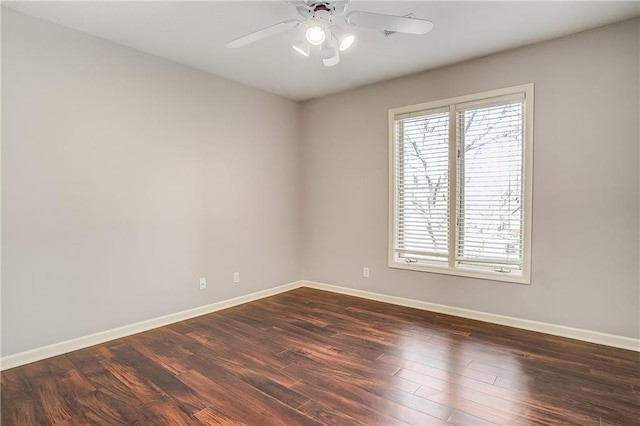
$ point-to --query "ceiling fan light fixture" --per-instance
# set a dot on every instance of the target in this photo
(328, 50)
(315, 35)
(302, 48)
(330, 54)
(332, 61)
(344, 38)
(346, 42)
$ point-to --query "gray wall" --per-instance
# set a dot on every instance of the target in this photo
(586, 184)
(125, 178)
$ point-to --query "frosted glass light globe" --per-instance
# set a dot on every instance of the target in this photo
(315, 35)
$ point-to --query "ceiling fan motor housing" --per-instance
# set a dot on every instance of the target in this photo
(312, 8)
(323, 16)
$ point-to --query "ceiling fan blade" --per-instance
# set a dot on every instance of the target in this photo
(263, 33)
(340, 7)
(378, 21)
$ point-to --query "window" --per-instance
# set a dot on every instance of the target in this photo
(460, 185)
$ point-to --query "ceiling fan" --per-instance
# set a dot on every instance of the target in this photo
(320, 21)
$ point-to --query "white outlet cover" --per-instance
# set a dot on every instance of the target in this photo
(236, 277)
(203, 283)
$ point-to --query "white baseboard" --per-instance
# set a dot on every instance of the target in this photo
(541, 327)
(55, 349)
(127, 330)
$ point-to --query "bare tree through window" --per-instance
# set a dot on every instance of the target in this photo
(489, 165)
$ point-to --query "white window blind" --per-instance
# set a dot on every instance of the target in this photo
(423, 185)
(459, 175)
(489, 210)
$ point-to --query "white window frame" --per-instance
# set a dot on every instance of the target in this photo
(522, 276)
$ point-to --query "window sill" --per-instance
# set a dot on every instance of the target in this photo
(463, 272)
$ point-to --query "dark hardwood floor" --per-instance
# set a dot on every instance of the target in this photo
(313, 357)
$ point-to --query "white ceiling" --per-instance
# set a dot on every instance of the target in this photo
(195, 34)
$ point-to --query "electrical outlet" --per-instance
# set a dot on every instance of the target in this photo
(203, 283)
(365, 272)
(236, 277)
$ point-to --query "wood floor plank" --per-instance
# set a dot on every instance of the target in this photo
(315, 357)
(160, 346)
(474, 403)
(359, 409)
(95, 410)
(51, 404)
(247, 366)
(327, 415)
(251, 407)
(441, 370)
(212, 416)
(14, 383)
(20, 411)
(459, 418)
(110, 391)
(401, 405)
(185, 398)
(156, 403)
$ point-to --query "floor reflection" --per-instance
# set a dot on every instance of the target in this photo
(478, 381)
